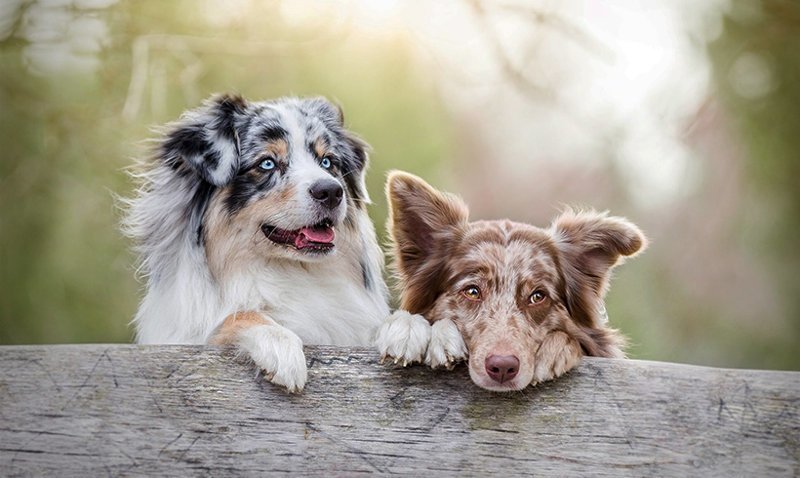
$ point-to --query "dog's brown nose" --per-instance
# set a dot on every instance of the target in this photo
(327, 192)
(502, 368)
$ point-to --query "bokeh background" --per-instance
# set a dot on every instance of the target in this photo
(683, 116)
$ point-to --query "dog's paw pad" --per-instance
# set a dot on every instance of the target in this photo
(446, 347)
(403, 337)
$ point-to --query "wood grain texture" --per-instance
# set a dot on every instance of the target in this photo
(87, 410)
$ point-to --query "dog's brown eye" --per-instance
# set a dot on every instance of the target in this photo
(472, 292)
(537, 297)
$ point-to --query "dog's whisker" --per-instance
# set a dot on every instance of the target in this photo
(348, 173)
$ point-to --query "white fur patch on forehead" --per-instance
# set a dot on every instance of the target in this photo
(314, 127)
(291, 120)
(302, 128)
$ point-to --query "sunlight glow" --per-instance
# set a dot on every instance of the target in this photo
(628, 90)
(564, 81)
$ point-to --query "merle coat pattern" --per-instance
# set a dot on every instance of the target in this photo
(251, 225)
(520, 303)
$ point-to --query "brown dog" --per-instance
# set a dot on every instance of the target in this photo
(524, 303)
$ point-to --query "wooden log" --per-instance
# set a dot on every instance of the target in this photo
(87, 410)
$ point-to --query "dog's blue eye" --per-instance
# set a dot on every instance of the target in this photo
(267, 165)
(326, 163)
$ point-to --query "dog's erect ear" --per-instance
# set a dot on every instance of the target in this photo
(591, 244)
(206, 141)
(423, 224)
(354, 168)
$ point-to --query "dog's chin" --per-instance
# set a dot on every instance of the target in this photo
(311, 242)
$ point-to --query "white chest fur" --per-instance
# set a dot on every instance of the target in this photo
(322, 304)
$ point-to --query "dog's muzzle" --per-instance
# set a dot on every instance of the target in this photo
(327, 192)
(315, 238)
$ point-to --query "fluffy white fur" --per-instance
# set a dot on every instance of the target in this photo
(201, 267)
(278, 352)
(405, 337)
(447, 346)
(323, 303)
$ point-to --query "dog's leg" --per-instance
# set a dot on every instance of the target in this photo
(557, 354)
(273, 348)
(404, 337)
(446, 347)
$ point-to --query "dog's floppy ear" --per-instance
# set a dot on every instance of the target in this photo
(205, 140)
(590, 245)
(355, 168)
(423, 224)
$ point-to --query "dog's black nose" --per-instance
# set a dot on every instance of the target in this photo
(327, 192)
(502, 368)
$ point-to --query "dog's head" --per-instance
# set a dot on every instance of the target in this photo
(505, 285)
(274, 177)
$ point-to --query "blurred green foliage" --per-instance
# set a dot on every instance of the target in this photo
(769, 31)
(756, 80)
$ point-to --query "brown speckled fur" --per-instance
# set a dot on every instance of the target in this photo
(438, 254)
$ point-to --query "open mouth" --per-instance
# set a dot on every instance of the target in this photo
(316, 238)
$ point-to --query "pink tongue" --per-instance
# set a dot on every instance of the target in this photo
(305, 235)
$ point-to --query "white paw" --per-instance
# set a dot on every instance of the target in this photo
(279, 353)
(404, 337)
(447, 346)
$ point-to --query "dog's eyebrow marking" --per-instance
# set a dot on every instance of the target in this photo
(273, 132)
(320, 146)
(278, 148)
(472, 272)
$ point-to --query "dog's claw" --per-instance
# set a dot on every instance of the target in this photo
(382, 360)
(403, 338)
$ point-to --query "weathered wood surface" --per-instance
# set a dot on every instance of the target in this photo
(88, 410)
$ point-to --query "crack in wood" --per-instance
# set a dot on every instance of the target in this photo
(119, 408)
(85, 381)
(314, 361)
(170, 443)
(354, 450)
